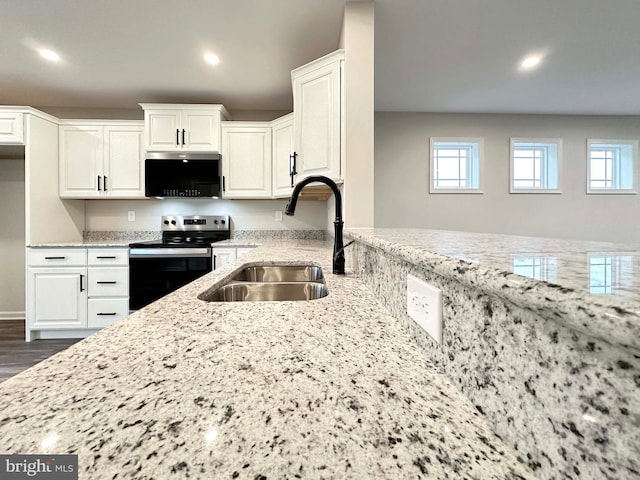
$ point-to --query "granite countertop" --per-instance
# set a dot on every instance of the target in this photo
(591, 286)
(330, 388)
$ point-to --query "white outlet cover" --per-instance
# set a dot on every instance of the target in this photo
(131, 215)
(424, 306)
(278, 216)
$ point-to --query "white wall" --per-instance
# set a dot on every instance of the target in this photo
(357, 38)
(402, 166)
(245, 214)
(12, 239)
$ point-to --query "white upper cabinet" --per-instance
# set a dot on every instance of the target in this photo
(100, 160)
(318, 116)
(123, 161)
(185, 128)
(246, 159)
(11, 128)
(284, 161)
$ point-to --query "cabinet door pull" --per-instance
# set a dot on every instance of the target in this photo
(99, 185)
(183, 132)
(177, 137)
(106, 283)
(113, 257)
(292, 162)
(108, 314)
(54, 258)
(224, 188)
(105, 183)
(214, 262)
(82, 283)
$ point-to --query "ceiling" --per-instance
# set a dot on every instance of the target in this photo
(116, 53)
(431, 55)
(463, 56)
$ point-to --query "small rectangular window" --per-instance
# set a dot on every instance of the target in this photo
(536, 165)
(612, 166)
(456, 165)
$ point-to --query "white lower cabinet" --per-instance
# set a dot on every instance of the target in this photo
(224, 255)
(57, 298)
(102, 312)
(71, 292)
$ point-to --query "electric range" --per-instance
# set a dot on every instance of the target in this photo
(159, 267)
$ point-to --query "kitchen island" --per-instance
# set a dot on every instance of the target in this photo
(183, 388)
(542, 335)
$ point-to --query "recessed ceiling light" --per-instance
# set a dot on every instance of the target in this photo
(530, 62)
(50, 55)
(211, 58)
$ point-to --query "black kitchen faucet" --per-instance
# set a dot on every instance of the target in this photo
(338, 244)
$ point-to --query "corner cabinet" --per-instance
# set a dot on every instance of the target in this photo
(71, 292)
(318, 116)
(246, 160)
(182, 127)
(101, 160)
(11, 128)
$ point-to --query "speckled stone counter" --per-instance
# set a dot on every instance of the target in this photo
(330, 388)
(553, 364)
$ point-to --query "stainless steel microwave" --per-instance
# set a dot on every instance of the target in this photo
(183, 175)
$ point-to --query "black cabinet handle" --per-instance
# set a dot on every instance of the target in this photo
(99, 187)
(106, 283)
(54, 258)
(81, 283)
(224, 188)
(112, 257)
(214, 262)
(292, 166)
(183, 132)
(105, 183)
(107, 314)
(177, 137)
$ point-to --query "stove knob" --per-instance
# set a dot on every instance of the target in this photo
(173, 222)
(166, 222)
(222, 222)
(215, 221)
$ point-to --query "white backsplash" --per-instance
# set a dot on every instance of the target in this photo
(245, 214)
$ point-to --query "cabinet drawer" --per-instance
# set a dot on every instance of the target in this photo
(56, 257)
(108, 256)
(109, 282)
(102, 312)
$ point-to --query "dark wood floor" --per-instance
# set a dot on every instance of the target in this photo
(17, 355)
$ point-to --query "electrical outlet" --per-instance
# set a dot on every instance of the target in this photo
(278, 215)
(131, 215)
(424, 306)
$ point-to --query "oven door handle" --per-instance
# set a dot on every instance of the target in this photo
(169, 252)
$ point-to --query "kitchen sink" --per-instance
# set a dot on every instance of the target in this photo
(271, 282)
(280, 273)
(267, 292)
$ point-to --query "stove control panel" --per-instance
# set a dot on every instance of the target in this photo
(184, 223)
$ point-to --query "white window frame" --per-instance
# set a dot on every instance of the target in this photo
(457, 140)
(541, 141)
(634, 177)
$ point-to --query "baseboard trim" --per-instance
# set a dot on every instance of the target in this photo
(12, 316)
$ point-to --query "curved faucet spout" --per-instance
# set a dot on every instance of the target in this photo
(338, 244)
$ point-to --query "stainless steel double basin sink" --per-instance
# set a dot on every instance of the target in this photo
(272, 282)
